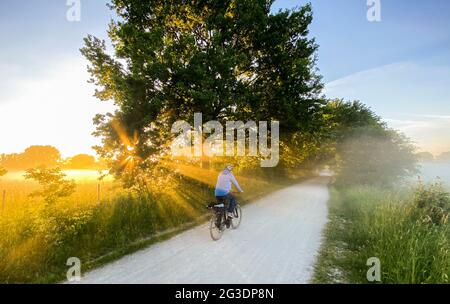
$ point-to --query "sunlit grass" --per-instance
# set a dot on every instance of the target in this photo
(86, 175)
(77, 175)
(31, 235)
(15, 190)
(100, 217)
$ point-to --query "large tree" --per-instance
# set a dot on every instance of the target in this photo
(229, 60)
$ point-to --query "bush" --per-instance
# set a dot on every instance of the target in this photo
(54, 186)
(433, 203)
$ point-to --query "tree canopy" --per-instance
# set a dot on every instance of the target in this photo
(229, 60)
(81, 161)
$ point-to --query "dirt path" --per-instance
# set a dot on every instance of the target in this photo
(277, 242)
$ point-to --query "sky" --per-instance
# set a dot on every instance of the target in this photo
(399, 66)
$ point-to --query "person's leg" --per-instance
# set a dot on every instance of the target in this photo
(231, 202)
(221, 199)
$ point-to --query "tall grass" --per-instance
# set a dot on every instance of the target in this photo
(407, 230)
(37, 239)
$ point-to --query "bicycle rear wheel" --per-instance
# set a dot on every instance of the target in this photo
(216, 226)
(237, 217)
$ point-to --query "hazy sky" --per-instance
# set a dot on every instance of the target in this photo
(399, 66)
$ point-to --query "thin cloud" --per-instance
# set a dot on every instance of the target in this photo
(412, 98)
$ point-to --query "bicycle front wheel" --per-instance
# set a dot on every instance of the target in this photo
(237, 217)
(215, 227)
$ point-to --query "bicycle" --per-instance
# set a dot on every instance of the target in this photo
(219, 220)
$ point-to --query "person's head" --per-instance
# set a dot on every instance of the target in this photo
(229, 167)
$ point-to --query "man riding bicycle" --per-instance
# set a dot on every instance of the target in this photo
(223, 188)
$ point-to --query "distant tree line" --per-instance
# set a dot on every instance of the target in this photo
(46, 156)
(427, 156)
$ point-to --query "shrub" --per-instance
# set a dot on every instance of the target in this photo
(433, 203)
(54, 186)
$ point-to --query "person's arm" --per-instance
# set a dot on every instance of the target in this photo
(235, 182)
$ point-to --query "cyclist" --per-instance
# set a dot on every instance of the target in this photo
(223, 188)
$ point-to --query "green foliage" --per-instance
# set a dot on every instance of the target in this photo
(433, 203)
(365, 151)
(367, 221)
(233, 60)
(54, 186)
(346, 116)
(229, 60)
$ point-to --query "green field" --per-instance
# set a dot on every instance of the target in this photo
(407, 230)
(37, 239)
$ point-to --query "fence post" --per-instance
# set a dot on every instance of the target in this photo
(3, 200)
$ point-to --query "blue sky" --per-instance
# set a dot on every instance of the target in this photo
(399, 66)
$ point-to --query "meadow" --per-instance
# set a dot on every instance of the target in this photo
(100, 221)
(406, 229)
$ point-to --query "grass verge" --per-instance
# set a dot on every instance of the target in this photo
(408, 231)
